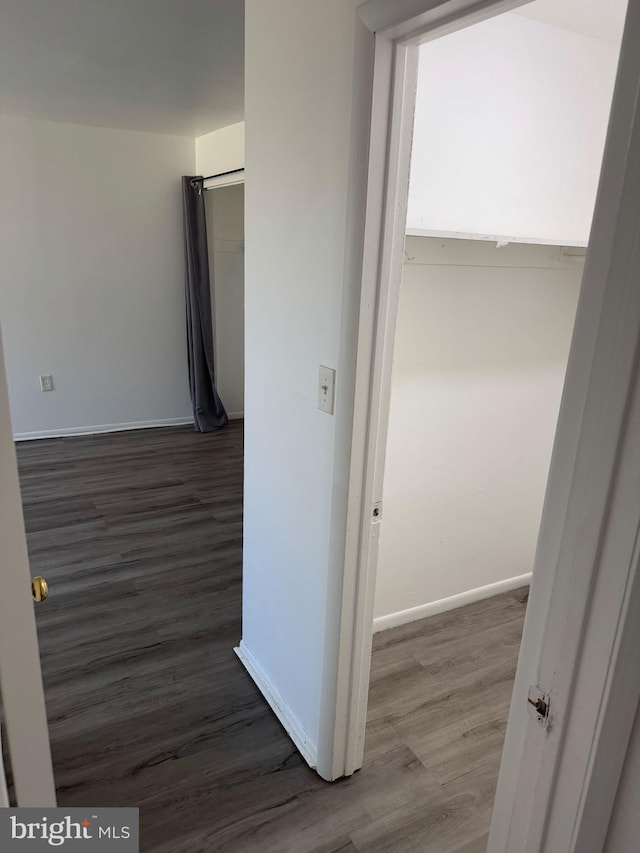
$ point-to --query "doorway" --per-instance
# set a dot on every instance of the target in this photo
(493, 260)
(383, 326)
(138, 533)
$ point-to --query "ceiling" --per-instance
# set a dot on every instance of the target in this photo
(164, 66)
(602, 19)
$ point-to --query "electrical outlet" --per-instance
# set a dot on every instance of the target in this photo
(46, 383)
(326, 389)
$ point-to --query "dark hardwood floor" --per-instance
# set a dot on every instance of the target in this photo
(139, 535)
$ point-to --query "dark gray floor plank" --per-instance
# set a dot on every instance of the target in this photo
(140, 537)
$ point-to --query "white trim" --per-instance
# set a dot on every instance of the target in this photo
(96, 429)
(308, 750)
(452, 602)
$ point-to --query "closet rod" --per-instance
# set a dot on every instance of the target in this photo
(219, 175)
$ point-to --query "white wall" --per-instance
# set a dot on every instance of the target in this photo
(510, 125)
(225, 229)
(481, 348)
(221, 150)
(306, 159)
(92, 275)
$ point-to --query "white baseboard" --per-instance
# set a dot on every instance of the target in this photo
(403, 617)
(96, 429)
(290, 722)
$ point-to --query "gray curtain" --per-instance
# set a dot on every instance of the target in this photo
(208, 412)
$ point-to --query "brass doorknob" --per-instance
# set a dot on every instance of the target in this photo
(39, 588)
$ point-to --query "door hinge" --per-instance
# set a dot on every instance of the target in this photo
(539, 705)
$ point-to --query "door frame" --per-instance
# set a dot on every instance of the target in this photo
(398, 27)
(21, 688)
(548, 781)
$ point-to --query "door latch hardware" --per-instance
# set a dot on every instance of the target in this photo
(376, 513)
(539, 705)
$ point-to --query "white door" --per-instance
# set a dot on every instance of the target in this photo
(21, 689)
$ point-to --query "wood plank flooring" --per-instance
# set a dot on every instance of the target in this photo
(139, 535)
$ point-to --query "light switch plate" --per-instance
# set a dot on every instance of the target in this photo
(46, 383)
(326, 389)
